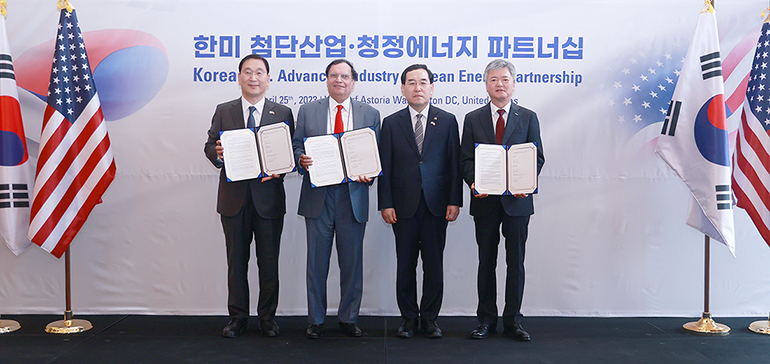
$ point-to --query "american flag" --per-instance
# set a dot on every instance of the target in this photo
(75, 165)
(751, 175)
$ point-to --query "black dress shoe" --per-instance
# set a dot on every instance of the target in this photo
(269, 328)
(406, 330)
(351, 329)
(314, 331)
(482, 331)
(518, 333)
(431, 329)
(235, 327)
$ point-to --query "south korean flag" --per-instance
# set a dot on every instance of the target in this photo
(694, 141)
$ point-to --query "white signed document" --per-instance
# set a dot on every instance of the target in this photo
(522, 168)
(240, 156)
(504, 170)
(490, 176)
(327, 162)
(360, 153)
(275, 150)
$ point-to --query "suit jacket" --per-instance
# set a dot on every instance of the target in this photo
(312, 121)
(522, 126)
(406, 172)
(269, 197)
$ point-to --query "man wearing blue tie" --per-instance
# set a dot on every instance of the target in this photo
(250, 209)
(500, 122)
(339, 210)
(419, 192)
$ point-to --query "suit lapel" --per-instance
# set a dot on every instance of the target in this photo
(317, 118)
(358, 115)
(404, 122)
(323, 116)
(430, 127)
(268, 114)
(486, 124)
(511, 124)
(236, 116)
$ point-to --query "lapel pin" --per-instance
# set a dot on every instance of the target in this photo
(433, 123)
(271, 112)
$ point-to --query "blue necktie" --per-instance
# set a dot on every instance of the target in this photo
(251, 123)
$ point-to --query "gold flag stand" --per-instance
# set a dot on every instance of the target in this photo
(7, 326)
(706, 325)
(68, 325)
(760, 327)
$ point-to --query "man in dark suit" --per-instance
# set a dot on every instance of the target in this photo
(250, 208)
(419, 192)
(500, 122)
(338, 210)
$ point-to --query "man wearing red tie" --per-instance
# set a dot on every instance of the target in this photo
(500, 122)
(338, 212)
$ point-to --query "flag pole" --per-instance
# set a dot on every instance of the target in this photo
(706, 325)
(68, 325)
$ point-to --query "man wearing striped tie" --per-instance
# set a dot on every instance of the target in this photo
(419, 192)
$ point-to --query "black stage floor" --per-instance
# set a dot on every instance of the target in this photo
(196, 339)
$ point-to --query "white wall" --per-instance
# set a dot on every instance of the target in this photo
(608, 237)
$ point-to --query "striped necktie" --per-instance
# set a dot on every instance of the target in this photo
(419, 134)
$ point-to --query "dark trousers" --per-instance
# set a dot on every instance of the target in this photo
(514, 230)
(421, 235)
(239, 231)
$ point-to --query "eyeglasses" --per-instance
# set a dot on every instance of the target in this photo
(343, 76)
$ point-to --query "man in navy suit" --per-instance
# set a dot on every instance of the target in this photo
(500, 122)
(419, 192)
(250, 208)
(338, 210)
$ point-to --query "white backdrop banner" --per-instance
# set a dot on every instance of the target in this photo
(608, 237)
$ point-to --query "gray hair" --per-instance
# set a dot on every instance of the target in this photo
(499, 64)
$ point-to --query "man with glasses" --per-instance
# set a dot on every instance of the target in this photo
(339, 210)
(251, 208)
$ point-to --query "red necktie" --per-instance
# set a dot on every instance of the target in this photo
(500, 127)
(338, 128)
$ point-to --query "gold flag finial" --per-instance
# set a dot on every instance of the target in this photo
(707, 7)
(767, 19)
(3, 5)
(65, 4)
